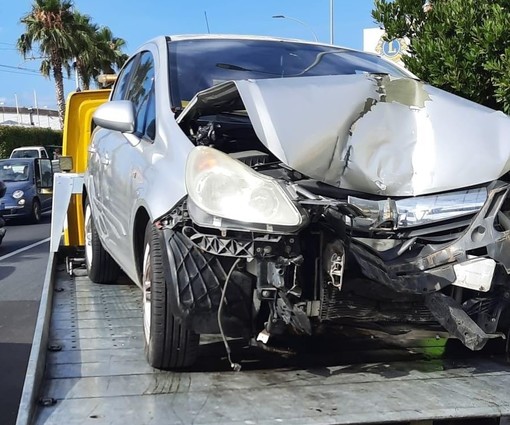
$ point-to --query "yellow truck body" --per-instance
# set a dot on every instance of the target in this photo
(78, 128)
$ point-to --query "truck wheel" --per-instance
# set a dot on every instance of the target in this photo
(101, 267)
(168, 344)
(35, 214)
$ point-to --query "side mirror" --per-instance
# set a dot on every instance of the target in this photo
(117, 115)
(65, 164)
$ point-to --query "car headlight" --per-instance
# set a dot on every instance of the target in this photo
(17, 194)
(411, 212)
(227, 189)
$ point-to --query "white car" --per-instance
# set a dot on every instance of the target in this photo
(251, 186)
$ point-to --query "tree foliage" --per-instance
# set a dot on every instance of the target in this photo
(99, 53)
(62, 36)
(462, 46)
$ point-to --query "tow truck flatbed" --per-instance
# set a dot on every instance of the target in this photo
(88, 366)
(97, 374)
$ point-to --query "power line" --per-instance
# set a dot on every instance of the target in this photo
(21, 73)
(29, 73)
(20, 68)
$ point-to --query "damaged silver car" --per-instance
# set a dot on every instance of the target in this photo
(254, 186)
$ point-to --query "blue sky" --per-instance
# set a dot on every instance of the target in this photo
(138, 21)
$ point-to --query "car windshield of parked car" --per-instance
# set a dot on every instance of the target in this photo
(28, 153)
(13, 172)
(198, 64)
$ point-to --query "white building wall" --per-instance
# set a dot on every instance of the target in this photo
(39, 120)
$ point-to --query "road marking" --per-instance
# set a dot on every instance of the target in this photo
(26, 248)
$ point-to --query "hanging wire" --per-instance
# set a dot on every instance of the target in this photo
(236, 367)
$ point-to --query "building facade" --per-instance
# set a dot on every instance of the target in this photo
(27, 117)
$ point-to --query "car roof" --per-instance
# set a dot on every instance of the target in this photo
(179, 37)
(22, 148)
(242, 37)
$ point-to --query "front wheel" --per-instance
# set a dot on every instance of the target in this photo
(101, 267)
(35, 213)
(168, 344)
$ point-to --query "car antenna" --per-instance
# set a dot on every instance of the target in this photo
(207, 22)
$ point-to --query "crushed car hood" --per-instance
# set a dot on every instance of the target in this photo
(371, 133)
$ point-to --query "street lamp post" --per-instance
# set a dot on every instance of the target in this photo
(331, 23)
(297, 20)
(31, 115)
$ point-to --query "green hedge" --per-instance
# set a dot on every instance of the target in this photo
(15, 137)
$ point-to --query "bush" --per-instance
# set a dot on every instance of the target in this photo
(462, 46)
(15, 137)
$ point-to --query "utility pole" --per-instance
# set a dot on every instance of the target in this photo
(331, 22)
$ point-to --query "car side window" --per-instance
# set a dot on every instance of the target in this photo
(44, 174)
(122, 84)
(141, 93)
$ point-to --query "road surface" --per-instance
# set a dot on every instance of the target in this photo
(23, 261)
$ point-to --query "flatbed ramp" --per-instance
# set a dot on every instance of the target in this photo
(96, 373)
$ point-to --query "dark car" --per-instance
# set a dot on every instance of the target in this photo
(28, 184)
(3, 189)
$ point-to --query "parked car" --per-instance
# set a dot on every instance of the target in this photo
(3, 189)
(29, 183)
(52, 152)
(29, 152)
(251, 186)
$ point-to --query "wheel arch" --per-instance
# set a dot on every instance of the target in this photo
(140, 223)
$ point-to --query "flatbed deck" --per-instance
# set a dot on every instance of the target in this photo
(98, 375)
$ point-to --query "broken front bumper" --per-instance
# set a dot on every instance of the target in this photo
(468, 261)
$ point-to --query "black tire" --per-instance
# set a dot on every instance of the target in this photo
(168, 344)
(35, 214)
(101, 267)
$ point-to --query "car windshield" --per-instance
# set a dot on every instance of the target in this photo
(13, 171)
(196, 65)
(27, 153)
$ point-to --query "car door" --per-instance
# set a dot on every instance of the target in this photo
(128, 158)
(44, 182)
(100, 168)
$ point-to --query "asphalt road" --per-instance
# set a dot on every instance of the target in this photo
(23, 261)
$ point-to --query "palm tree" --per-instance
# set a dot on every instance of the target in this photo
(113, 57)
(103, 56)
(52, 26)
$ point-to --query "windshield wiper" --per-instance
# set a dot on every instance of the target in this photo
(232, 67)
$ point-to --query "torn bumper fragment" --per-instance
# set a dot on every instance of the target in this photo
(414, 266)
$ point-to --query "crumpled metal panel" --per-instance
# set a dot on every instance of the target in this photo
(374, 133)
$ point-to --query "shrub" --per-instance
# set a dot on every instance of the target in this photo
(12, 137)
